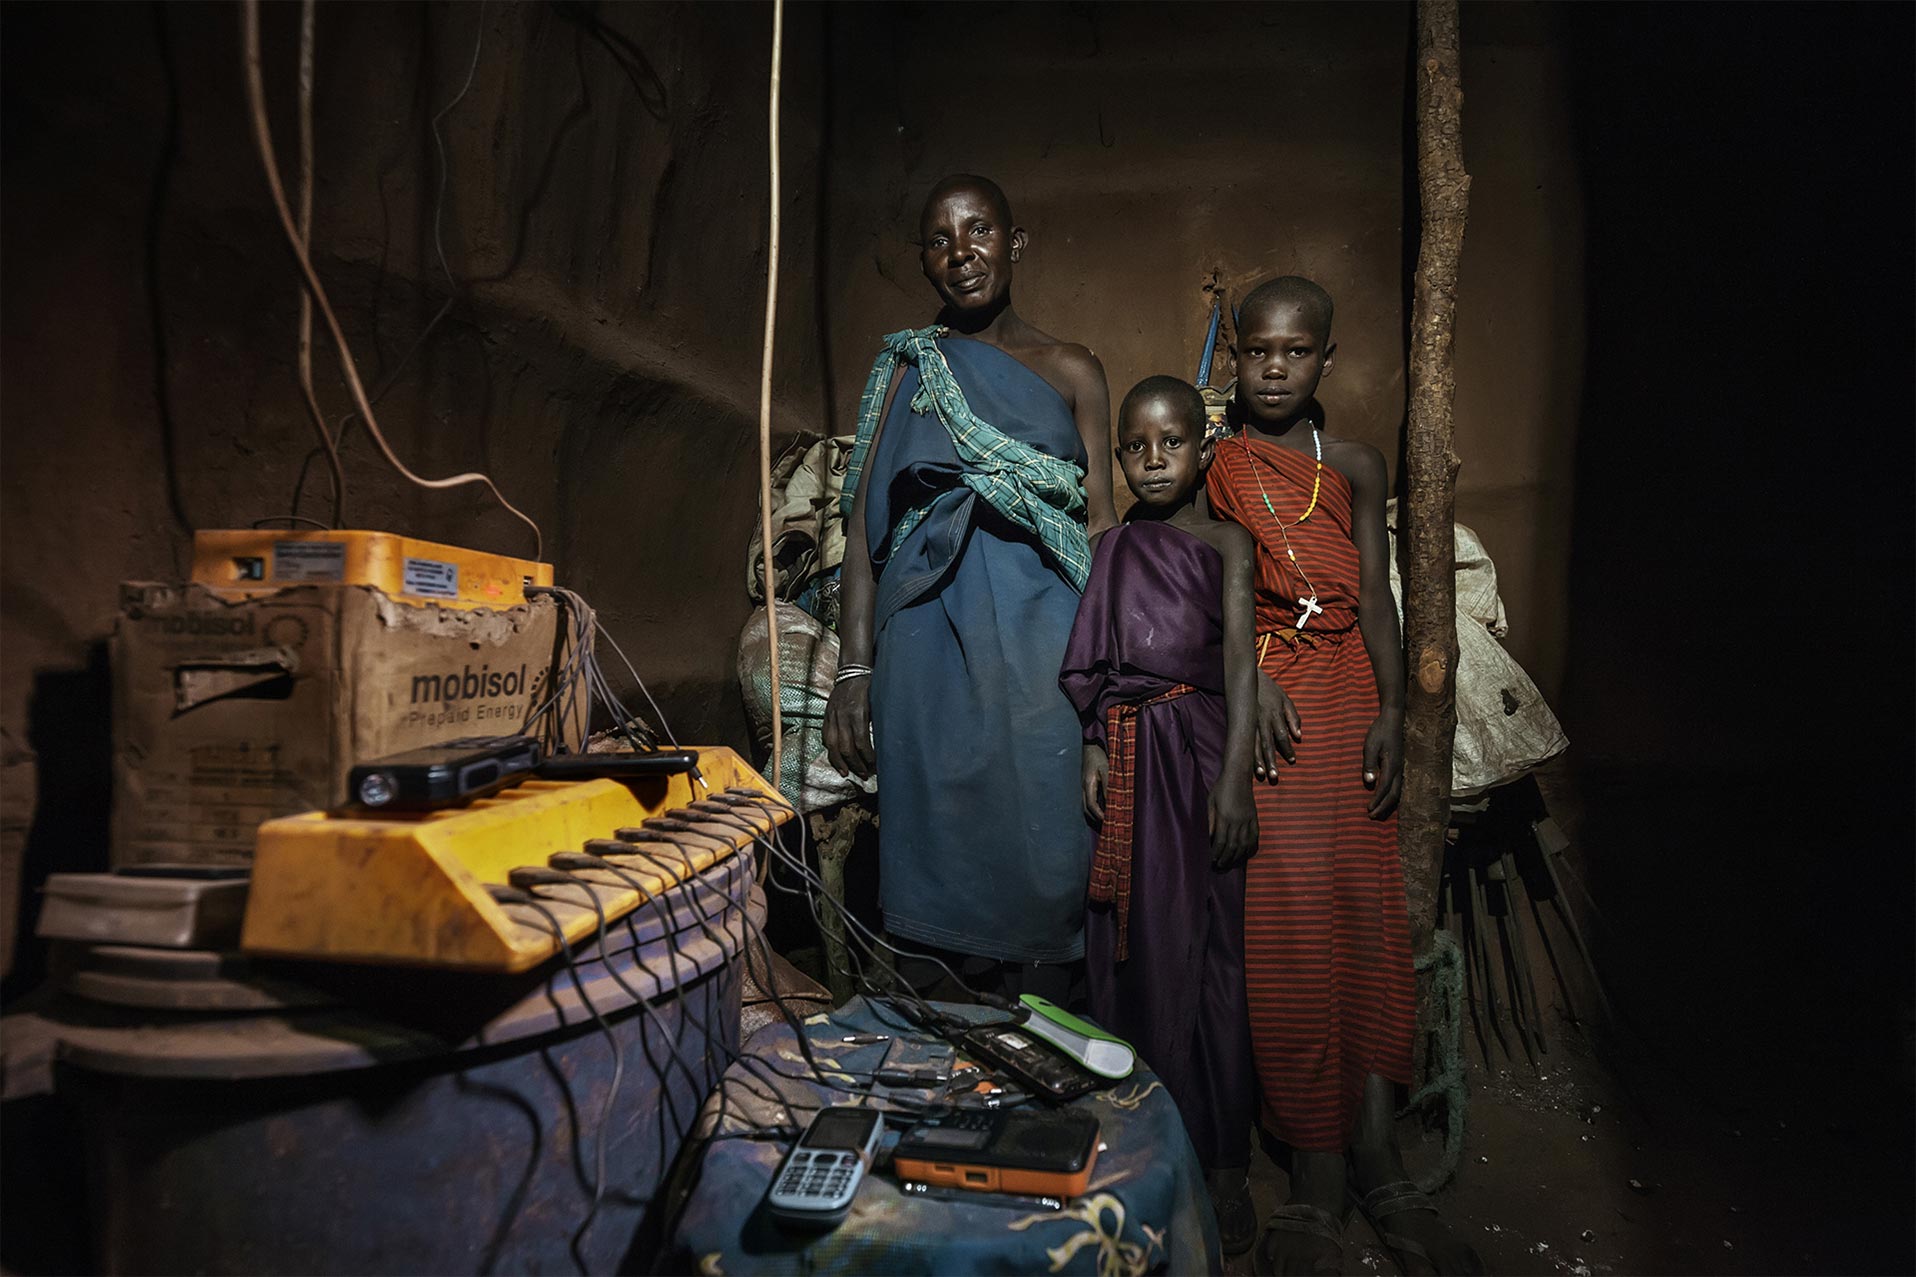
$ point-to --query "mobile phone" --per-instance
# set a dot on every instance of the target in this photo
(1048, 1153)
(443, 775)
(816, 1182)
(659, 762)
(1049, 1073)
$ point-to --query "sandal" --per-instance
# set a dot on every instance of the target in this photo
(1311, 1221)
(1383, 1204)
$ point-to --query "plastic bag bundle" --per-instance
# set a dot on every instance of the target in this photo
(1504, 728)
(808, 661)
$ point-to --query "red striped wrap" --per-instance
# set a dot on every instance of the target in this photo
(1327, 930)
(1111, 858)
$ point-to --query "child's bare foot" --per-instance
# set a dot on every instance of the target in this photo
(1236, 1216)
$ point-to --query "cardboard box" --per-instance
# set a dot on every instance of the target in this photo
(227, 713)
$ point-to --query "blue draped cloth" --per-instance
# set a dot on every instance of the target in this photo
(1146, 1210)
(983, 846)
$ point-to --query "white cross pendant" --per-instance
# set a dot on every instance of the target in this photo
(1306, 609)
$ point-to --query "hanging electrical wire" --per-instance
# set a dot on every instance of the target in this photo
(263, 140)
(765, 412)
(391, 379)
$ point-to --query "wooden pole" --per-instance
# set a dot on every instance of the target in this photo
(1429, 568)
(834, 839)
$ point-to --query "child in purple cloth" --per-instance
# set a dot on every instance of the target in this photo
(1161, 669)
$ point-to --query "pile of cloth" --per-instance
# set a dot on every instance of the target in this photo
(808, 546)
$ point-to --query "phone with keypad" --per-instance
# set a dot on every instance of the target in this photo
(816, 1182)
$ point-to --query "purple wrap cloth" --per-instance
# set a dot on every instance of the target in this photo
(1152, 618)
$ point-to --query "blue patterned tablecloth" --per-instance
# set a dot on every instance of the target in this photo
(1146, 1210)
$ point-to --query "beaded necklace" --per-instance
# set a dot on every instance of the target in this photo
(1317, 480)
(1307, 604)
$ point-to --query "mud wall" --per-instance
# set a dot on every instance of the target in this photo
(1157, 151)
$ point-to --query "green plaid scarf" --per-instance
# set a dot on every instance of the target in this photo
(1040, 493)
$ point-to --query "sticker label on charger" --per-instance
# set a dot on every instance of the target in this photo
(309, 560)
(431, 578)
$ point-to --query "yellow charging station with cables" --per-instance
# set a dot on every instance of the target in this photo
(416, 892)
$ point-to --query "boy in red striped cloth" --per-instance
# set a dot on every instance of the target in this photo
(1327, 932)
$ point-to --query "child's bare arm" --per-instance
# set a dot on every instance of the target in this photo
(1377, 618)
(1232, 811)
(848, 735)
(1279, 727)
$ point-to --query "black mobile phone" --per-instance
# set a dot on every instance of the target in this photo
(1029, 1058)
(443, 775)
(659, 762)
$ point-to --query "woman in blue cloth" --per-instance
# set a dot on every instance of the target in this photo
(983, 453)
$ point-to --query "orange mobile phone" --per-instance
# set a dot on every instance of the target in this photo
(1049, 1153)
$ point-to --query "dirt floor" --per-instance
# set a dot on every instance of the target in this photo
(1563, 1173)
(1721, 1127)
(1743, 1115)
(1567, 1171)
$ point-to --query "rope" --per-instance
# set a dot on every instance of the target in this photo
(1444, 960)
(765, 415)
